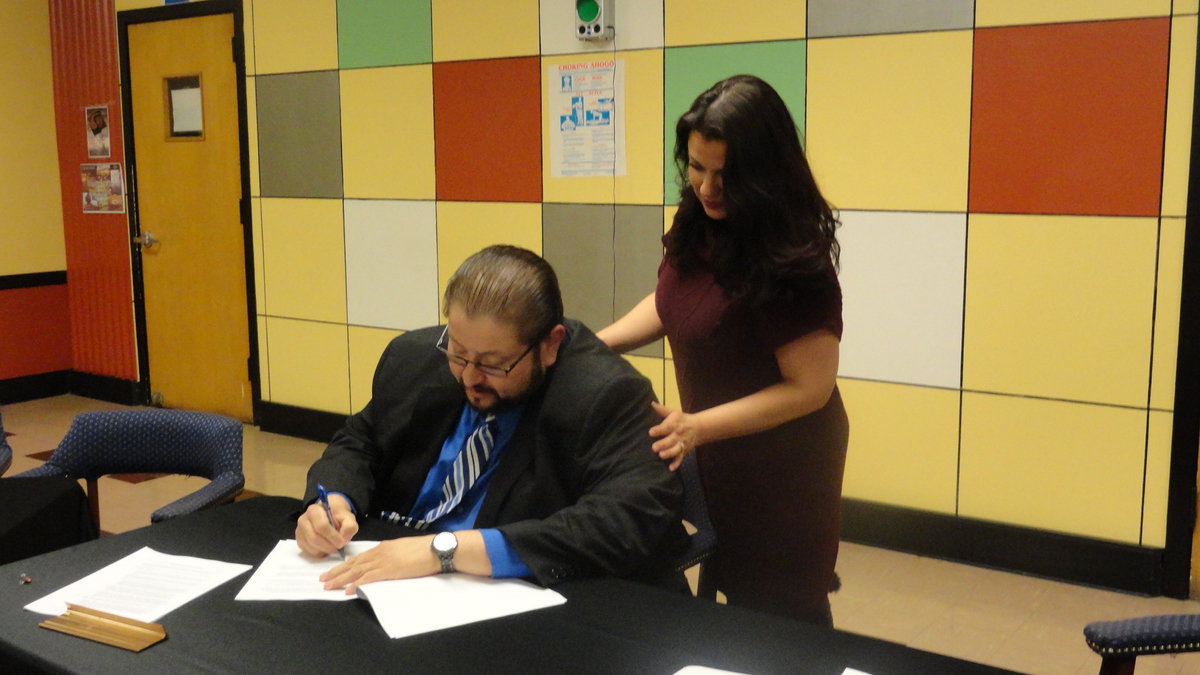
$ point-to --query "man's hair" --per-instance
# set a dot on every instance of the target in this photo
(509, 284)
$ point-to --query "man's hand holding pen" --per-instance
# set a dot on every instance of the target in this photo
(318, 537)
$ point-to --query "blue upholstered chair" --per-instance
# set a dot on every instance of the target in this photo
(1120, 642)
(152, 441)
(5, 449)
(703, 541)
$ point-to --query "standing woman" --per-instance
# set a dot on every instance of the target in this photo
(749, 299)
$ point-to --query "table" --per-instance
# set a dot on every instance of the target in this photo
(42, 514)
(606, 625)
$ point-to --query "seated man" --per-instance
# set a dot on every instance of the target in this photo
(513, 433)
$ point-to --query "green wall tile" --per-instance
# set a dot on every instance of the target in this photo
(384, 33)
(691, 70)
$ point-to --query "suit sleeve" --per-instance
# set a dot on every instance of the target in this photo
(629, 501)
(351, 460)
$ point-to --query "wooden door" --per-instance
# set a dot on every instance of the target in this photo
(183, 88)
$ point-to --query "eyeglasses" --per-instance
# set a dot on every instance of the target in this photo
(486, 369)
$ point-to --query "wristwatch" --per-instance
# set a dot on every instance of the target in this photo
(443, 546)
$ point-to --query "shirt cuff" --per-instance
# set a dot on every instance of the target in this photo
(505, 561)
(349, 501)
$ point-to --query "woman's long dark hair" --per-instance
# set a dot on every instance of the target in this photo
(778, 233)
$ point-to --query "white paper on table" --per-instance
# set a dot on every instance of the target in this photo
(287, 573)
(704, 670)
(852, 671)
(143, 585)
(410, 606)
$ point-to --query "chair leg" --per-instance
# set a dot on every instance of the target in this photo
(1118, 665)
(93, 495)
(705, 588)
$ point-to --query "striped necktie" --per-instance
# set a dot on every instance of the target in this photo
(468, 466)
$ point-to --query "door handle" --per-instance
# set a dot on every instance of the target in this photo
(146, 239)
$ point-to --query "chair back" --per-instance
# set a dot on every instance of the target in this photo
(151, 441)
(695, 511)
(6, 453)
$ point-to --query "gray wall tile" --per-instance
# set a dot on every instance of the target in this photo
(577, 239)
(870, 17)
(300, 135)
(638, 246)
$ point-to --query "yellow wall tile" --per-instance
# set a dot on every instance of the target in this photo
(903, 444)
(295, 35)
(248, 32)
(387, 132)
(1067, 467)
(1059, 307)
(670, 386)
(123, 5)
(1186, 6)
(366, 346)
(31, 233)
(1013, 12)
(252, 134)
(693, 22)
(304, 259)
(264, 361)
(1180, 96)
(464, 228)
(260, 278)
(1168, 295)
(881, 106)
(1158, 479)
(468, 29)
(652, 368)
(308, 365)
(643, 100)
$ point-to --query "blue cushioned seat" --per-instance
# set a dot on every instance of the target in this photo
(1121, 642)
(153, 441)
(703, 541)
(5, 449)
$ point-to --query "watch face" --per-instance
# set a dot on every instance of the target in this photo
(445, 542)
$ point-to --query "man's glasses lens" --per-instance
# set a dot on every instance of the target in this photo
(463, 362)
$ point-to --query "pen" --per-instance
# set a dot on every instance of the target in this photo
(324, 497)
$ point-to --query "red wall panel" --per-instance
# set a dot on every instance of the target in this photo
(33, 331)
(84, 48)
(1069, 118)
(471, 101)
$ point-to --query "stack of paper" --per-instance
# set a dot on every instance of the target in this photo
(143, 585)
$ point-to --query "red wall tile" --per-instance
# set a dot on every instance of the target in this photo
(1069, 118)
(84, 49)
(35, 330)
(487, 124)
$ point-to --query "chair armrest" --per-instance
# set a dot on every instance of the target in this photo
(44, 470)
(1160, 634)
(222, 487)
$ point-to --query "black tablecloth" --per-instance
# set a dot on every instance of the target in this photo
(606, 626)
(38, 515)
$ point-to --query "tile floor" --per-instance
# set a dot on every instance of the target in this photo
(1009, 620)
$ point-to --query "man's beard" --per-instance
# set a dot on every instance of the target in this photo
(501, 403)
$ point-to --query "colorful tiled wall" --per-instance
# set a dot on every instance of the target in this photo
(1011, 177)
(34, 327)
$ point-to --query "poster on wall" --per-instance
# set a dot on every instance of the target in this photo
(587, 118)
(97, 131)
(103, 189)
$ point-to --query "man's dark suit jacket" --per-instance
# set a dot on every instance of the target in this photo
(577, 493)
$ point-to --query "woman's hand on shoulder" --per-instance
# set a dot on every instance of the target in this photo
(678, 434)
